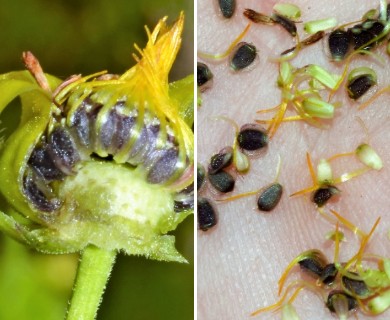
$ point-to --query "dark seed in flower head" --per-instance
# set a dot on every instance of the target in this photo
(227, 7)
(270, 197)
(220, 160)
(243, 56)
(334, 295)
(252, 138)
(222, 181)
(204, 76)
(43, 164)
(359, 86)
(322, 195)
(37, 197)
(164, 167)
(63, 150)
(207, 217)
(339, 43)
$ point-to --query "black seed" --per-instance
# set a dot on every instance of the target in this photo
(184, 200)
(143, 150)
(322, 195)
(252, 139)
(355, 287)
(63, 150)
(258, 17)
(164, 167)
(200, 176)
(313, 267)
(81, 125)
(123, 129)
(44, 165)
(108, 130)
(204, 75)
(361, 37)
(220, 160)
(376, 28)
(243, 56)
(359, 86)
(338, 294)
(222, 181)
(227, 7)
(388, 12)
(339, 43)
(329, 274)
(270, 197)
(286, 23)
(207, 217)
(38, 197)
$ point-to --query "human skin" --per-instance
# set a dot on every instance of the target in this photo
(241, 259)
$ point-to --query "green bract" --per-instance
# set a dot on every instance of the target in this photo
(108, 203)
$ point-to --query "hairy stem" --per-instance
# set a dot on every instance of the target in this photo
(92, 275)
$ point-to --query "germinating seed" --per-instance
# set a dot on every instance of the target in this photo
(252, 138)
(243, 56)
(270, 197)
(200, 176)
(322, 195)
(227, 7)
(333, 299)
(339, 43)
(207, 217)
(363, 33)
(286, 23)
(357, 288)
(313, 267)
(258, 17)
(222, 181)
(329, 274)
(204, 76)
(359, 86)
(220, 160)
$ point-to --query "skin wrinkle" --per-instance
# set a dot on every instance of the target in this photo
(260, 246)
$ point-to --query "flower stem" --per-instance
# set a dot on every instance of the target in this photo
(92, 275)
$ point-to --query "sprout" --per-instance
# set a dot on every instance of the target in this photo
(289, 312)
(241, 161)
(324, 172)
(288, 10)
(285, 74)
(369, 157)
(318, 108)
(327, 79)
(312, 27)
(380, 303)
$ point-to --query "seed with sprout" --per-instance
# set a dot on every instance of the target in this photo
(322, 195)
(359, 81)
(329, 274)
(341, 303)
(252, 137)
(221, 160)
(285, 23)
(339, 44)
(357, 288)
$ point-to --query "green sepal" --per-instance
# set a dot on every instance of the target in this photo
(36, 111)
(183, 92)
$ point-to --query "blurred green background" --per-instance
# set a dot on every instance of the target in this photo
(85, 36)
